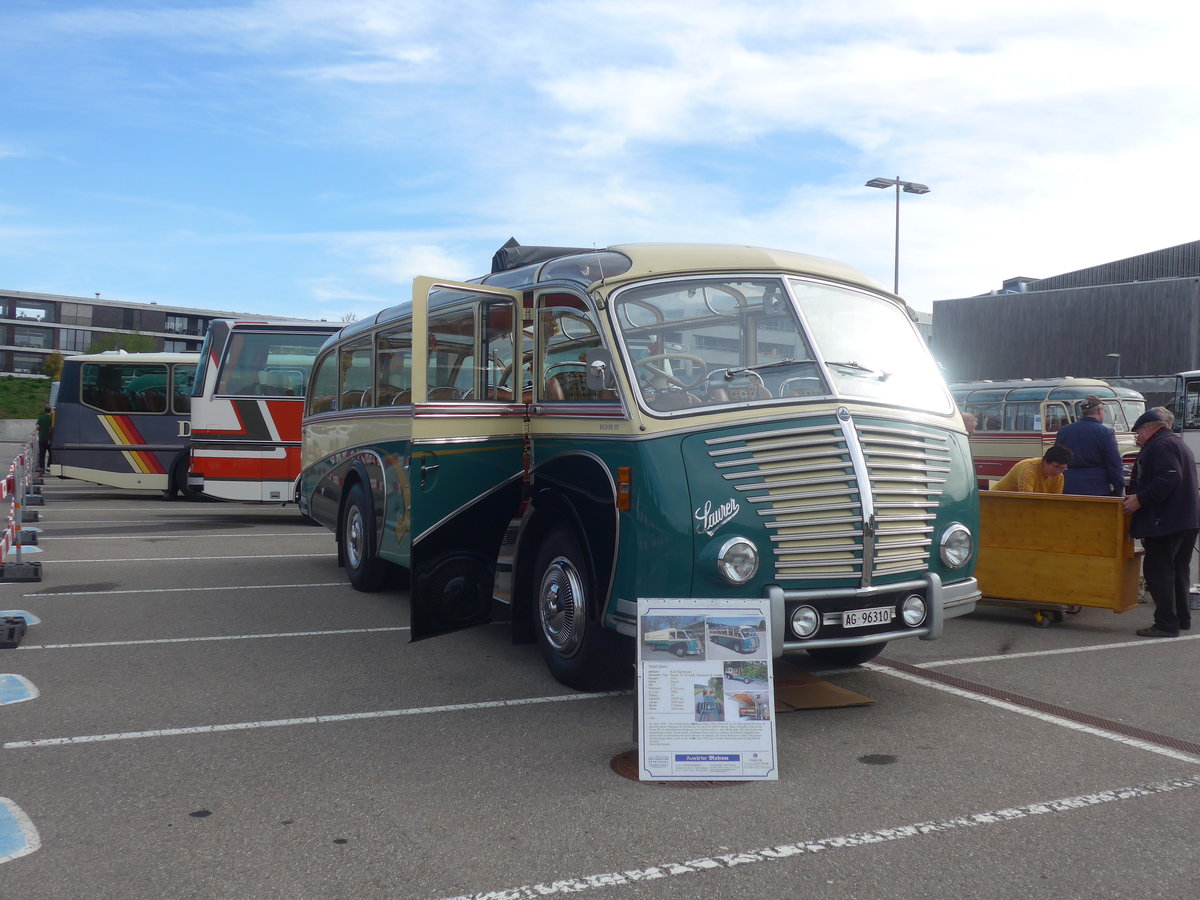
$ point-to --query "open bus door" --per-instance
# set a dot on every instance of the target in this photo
(468, 455)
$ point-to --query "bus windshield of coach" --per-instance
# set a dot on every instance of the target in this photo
(704, 342)
(870, 346)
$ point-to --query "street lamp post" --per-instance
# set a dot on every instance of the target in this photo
(909, 187)
(1117, 357)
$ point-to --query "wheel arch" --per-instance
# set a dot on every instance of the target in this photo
(574, 491)
(367, 470)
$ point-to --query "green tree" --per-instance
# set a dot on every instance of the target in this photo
(130, 342)
(52, 366)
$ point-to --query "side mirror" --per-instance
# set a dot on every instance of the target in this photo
(599, 370)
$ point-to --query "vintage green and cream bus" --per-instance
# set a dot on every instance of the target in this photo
(580, 429)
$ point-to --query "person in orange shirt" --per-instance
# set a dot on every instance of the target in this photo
(1038, 475)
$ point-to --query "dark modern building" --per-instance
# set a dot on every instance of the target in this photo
(32, 326)
(1135, 316)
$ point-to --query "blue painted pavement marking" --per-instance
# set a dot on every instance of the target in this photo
(30, 618)
(15, 688)
(18, 837)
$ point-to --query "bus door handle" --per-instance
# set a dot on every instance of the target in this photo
(426, 467)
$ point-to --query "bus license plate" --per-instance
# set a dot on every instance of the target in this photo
(857, 618)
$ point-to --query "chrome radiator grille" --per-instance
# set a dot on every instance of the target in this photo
(841, 500)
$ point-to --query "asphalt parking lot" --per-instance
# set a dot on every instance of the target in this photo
(217, 714)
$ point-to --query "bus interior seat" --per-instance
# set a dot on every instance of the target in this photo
(351, 399)
(572, 387)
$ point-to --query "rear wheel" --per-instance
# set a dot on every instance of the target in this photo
(847, 656)
(578, 651)
(364, 569)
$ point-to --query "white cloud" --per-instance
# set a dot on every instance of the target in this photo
(1054, 135)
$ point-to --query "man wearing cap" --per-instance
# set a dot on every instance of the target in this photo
(1095, 460)
(1166, 516)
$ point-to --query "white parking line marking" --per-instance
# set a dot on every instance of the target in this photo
(231, 587)
(1035, 714)
(671, 869)
(307, 720)
(1026, 654)
(217, 637)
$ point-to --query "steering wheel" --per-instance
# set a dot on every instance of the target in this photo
(647, 362)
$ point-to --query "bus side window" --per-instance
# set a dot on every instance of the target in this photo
(989, 417)
(498, 353)
(393, 367)
(1191, 417)
(182, 380)
(451, 374)
(354, 364)
(567, 331)
(1021, 416)
(323, 396)
(1056, 417)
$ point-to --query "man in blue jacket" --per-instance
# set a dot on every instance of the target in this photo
(1095, 460)
(1166, 516)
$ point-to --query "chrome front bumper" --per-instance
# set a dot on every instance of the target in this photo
(945, 602)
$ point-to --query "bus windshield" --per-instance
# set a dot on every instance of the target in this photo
(707, 342)
(870, 347)
(270, 364)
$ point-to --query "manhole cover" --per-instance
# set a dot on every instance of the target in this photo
(626, 765)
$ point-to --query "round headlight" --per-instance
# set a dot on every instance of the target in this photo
(737, 560)
(913, 609)
(805, 621)
(956, 545)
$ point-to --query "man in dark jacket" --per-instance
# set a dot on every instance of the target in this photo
(1095, 460)
(1166, 516)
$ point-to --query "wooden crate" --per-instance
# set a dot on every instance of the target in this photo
(1057, 549)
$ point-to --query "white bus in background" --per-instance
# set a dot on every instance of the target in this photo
(247, 405)
(1187, 411)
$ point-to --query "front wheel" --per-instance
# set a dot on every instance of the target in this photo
(578, 651)
(847, 656)
(365, 571)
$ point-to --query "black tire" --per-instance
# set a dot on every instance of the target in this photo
(847, 656)
(365, 571)
(577, 650)
(177, 478)
(679, 650)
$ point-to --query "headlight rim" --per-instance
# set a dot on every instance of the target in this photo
(956, 531)
(724, 566)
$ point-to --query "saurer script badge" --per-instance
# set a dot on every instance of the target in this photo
(709, 518)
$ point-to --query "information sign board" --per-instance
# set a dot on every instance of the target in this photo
(706, 707)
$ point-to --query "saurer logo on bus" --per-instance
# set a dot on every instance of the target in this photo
(709, 519)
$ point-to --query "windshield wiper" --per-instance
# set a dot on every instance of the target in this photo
(858, 367)
(731, 374)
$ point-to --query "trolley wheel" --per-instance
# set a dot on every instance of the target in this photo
(1041, 620)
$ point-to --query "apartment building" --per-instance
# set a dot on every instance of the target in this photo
(32, 326)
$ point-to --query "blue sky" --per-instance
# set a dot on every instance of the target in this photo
(309, 157)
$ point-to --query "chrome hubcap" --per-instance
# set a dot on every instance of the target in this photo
(560, 606)
(354, 537)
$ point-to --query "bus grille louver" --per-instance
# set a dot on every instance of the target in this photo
(802, 482)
